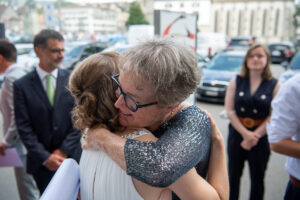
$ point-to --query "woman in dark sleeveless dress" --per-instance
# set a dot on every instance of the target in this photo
(248, 105)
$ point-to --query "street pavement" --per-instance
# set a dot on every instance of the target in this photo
(275, 180)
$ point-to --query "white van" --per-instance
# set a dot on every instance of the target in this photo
(210, 43)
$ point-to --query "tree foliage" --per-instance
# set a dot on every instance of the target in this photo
(136, 16)
(296, 17)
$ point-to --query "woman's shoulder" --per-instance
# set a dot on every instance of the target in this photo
(192, 115)
(140, 134)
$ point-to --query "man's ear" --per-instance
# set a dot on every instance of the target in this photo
(2, 64)
(37, 51)
(1, 58)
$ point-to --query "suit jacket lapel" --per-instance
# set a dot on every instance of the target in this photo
(60, 85)
(38, 88)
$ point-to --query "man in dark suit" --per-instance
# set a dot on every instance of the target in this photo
(43, 108)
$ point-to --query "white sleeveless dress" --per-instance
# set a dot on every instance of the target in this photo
(102, 179)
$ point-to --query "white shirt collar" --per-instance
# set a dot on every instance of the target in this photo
(42, 73)
(10, 68)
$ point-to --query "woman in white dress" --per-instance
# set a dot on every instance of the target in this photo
(101, 178)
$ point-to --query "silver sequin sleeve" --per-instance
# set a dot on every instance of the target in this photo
(184, 143)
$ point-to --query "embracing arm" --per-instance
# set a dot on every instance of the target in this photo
(110, 143)
(217, 170)
(191, 186)
(166, 160)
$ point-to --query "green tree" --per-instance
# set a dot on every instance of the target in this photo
(136, 16)
(296, 17)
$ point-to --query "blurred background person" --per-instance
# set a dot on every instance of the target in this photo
(284, 132)
(248, 106)
(43, 107)
(8, 55)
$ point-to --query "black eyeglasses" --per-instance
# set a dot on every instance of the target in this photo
(57, 50)
(129, 101)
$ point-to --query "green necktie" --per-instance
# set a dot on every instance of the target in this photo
(50, 89)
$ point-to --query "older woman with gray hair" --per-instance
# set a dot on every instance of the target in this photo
(155, 78)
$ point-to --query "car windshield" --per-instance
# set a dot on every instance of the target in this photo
(295, 64)
(236, 42)
(278, 47)
(226, 62)
(73, 53)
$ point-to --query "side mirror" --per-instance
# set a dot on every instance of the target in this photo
(285, 64)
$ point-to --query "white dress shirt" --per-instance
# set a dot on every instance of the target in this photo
(43, 74)
(11, 136)
(285, 120)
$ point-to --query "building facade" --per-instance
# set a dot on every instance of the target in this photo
(270, 21)
(201, 7)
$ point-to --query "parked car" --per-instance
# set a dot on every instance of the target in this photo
(210, 43)
(23, 48)
(240, 42)
(28, 60)
(118, 47)
(217, 74)
(281, 52)
(292, 68)
(202, 61)
(75, 52)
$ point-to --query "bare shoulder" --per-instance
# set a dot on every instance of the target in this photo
(232, 82)
(147, 137)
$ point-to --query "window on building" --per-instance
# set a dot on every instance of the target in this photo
(252, 22)
(264, 22)
(240, 23)
(216, 21)
(276, 22)
(227, 22)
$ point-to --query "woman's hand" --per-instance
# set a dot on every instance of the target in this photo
(91, 138)
(250, 139)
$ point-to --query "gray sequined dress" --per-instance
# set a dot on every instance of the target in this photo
(184, 142)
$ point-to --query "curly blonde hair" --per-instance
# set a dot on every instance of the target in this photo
(92, 88)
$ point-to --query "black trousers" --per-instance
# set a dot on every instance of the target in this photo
(257, 158)
(292, 192)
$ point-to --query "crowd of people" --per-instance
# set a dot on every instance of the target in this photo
(123, 118)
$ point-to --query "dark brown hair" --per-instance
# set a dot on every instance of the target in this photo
(41, 39)
(91, 85)
(8, 50)
(267, 74)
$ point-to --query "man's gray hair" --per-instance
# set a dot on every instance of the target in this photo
(169, 66)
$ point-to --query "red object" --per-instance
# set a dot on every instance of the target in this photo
(166, 32)
(288, 53)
